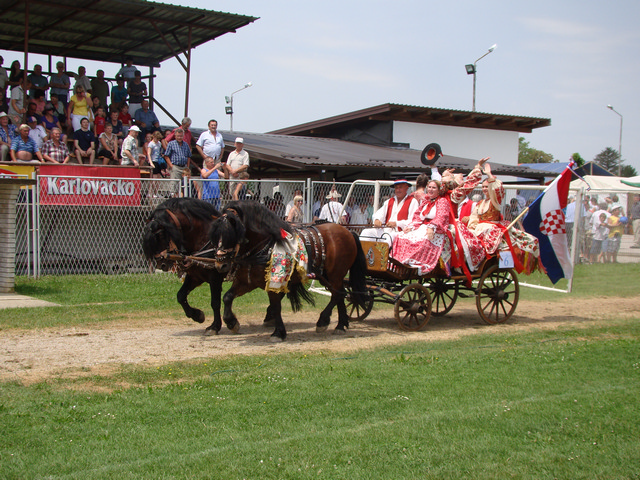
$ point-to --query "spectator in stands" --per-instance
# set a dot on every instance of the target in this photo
(7, 133)
(210, 143)
(119, 94)
(137, 92)
(58, 109)
(155, 154)
(146, 119)
(79, 108)
(23, 147)
(116, 125)
(38, 81)
(125, 118)
(17, 104)
(37, 132)
(296, 215)
(95, 104)
(83, 80)
(108, 147)
(38, 99)
(84, 142)
(100, 88)
(130, 155)
(55, 150)
(128, 72)
(4, 77)
(59, 84)
(15, 74)
(177, 155)
(32, 110)
(4, 103)
(185, 124)
(99, 122)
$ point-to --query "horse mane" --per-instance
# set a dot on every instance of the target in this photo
(159, 219)
(258, 219)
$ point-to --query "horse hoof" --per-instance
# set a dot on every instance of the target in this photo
(199, 318)
(275, 339)
(209, 332)
(321, 329)
(339, 331)
(236, 328)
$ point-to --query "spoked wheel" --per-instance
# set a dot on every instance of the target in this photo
(413, 307)
(445, 293)
(497, 295)
(356, 312)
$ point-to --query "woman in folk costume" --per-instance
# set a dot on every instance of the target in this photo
(468, 250)
(487, 224)
(425, 243)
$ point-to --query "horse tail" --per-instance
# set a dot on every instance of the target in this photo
(357, 275)
(297, 293)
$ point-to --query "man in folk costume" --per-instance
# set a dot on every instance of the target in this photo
(333, 211)
(394, 215)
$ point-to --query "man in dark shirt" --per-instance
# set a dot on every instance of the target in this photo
(84, 142)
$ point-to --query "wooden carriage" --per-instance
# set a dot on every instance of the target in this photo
(416, 297)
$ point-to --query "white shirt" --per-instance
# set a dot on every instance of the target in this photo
(38, 135)
(237, 160)
(211, 146)
(331, 212)
(381, 214)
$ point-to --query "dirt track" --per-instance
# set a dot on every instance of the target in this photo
(32, 356)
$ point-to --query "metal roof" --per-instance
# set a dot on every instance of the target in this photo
(110, 30)
(416, 114)
(297, 156)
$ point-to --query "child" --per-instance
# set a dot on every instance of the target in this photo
(616, 229)
(600, 232)
(125, 118)
(99, 122)
(210, 187)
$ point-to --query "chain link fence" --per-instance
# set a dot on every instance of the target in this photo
(53, 238)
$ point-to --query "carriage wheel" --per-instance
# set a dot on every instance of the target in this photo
(497, 295)
(356, 312)
(413, 307)
(445, 294)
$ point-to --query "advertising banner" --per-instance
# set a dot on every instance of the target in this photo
(17, 171)
(89, 185)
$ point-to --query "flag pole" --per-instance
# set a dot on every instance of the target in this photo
(522, 214)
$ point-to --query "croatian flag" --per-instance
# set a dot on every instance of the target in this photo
(545, 221)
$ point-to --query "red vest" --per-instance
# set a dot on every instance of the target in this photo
(403, 214)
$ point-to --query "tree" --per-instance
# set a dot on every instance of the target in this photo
(578, 159)
(526, 154)
(609, 159)
(628, 171)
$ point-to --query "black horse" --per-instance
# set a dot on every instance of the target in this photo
(178, 229)
(245, 235)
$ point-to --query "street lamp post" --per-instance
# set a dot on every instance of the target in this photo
(610, 107)
(472, 69)
(229, 109)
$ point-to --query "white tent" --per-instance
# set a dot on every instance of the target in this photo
(604, 187)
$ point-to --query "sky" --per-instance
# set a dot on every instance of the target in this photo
(309, 60)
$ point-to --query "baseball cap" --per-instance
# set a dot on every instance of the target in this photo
(239, 140)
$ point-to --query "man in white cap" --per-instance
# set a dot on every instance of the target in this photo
(130, 155)
(333, 211)
(237, 163)
(394, 215)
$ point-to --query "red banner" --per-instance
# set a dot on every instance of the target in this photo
(89, 185)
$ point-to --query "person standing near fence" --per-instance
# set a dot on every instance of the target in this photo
(177, 156)
(634, 217)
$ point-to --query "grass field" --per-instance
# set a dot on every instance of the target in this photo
(545, 404)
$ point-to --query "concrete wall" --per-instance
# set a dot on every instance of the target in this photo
(473, 143)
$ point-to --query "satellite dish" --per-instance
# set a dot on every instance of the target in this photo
(431, 154)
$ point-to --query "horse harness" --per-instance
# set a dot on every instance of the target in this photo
(314, 244)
